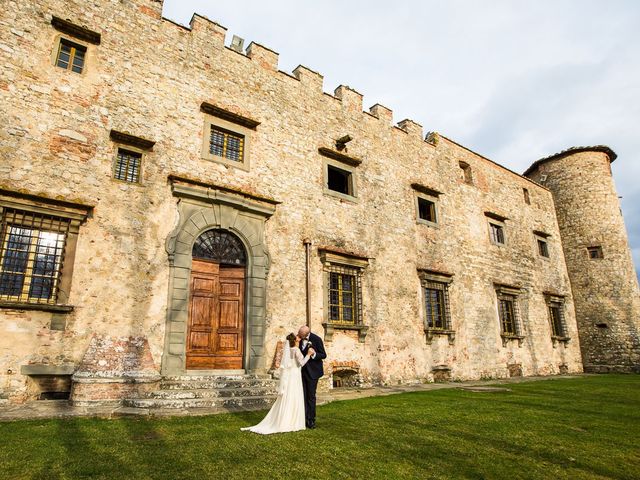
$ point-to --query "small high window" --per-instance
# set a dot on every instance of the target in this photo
(543, 248)
(71, 56)
(226, 144)
(527, 198)
(426, 210)
(496, 233)
(127, 167)
(465, 173)
(339, 180)
(595, 252)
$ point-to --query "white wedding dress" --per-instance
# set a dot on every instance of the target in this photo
(287, 413)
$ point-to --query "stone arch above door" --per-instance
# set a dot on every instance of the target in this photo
(203, 207)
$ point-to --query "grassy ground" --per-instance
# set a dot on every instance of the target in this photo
(572, 428)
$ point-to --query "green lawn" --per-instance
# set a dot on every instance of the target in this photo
(586, 427)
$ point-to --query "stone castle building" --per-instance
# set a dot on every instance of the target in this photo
(171, 207)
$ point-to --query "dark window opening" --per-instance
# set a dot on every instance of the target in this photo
(543, 248)
(497, 233)
(595, 252)
(426, 210)
(71, 56)
(339, 180)
(508, 316)
(527, 199)
(602, 325)
(557, 323)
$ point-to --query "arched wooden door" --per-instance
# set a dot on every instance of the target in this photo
(215, 335)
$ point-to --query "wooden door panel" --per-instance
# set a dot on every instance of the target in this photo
(215, 337)
(229, 314)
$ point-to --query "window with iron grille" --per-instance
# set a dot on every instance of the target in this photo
(496, 233)
(127, 167)
(71, 56)
(556, 317)
(509, 315)
(436, 297)
(345, 296)
(226, 144)
(31, 256)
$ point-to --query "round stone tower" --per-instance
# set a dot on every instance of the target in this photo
(596, 249)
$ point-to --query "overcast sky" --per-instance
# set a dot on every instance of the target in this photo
(513, 80)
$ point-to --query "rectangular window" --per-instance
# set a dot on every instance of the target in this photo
(426, 210)
(557, 320)
(508, 315)
(465, 173)
(127, 166)
(543, 248)
(31, 256)
(343, 297)
(339, 180)
(436, 305)
(527, 198)
(226, 144)
(595, 252)
(71, 56)
(496, 233)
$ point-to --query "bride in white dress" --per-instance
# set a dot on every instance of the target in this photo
(287, 413)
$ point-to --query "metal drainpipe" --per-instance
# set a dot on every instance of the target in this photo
(307, 252)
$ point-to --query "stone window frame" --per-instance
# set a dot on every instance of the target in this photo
(493, 219)
(333, 261)
(597, 249)
(132, 143)
(553, 300)
(443, 280)
(76, 215)
(430, 195)
(527, 195)
(513, 294)
(233, 123)
(74, 34)
(539, 238)
(351, 169)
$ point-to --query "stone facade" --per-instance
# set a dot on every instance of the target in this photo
(156, 88)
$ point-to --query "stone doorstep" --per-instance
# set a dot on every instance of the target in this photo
(216, 384)
(245, 403)
(213, 393)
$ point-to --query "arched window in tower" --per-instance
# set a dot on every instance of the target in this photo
(220, 246)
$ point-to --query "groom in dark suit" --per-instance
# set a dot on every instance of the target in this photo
(311, 372)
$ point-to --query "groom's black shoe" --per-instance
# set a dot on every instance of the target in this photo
(311, 425)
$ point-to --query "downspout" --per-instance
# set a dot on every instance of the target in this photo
(307, 252)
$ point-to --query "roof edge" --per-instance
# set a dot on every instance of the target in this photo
(570, 151)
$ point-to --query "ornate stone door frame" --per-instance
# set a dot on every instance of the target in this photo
(202, 207)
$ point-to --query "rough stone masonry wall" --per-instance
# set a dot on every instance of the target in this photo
(148, 77)
(605, 290)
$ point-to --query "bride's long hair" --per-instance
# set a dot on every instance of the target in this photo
(292, 339)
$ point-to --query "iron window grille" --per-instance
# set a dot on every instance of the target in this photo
(128, 164)
(345, 295)
(436, 296)
(509, 315)
(226, 144)
(496, 233)
(31, 256)
(595, 252)
(556, 316)
(71, 56)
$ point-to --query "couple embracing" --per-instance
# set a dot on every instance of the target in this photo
(300, 370)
